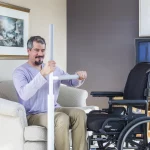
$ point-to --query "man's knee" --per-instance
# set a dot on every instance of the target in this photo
(61, 120)
(38, 119)
(78, 113)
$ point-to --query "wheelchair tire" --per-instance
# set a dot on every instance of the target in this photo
(127, 130)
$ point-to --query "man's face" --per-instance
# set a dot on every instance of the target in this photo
(37, 53)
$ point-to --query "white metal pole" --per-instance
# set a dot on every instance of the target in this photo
(50, 139)
(50, 116)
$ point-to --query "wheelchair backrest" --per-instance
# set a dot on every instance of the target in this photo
(137, 82)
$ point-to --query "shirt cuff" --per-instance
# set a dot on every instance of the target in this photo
(77, 83)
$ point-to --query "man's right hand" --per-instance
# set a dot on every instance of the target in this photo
(48, 68)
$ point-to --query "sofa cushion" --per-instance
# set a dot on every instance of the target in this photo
(35, 146)
(72, 97)
(35, 133)
(13, 109)
(11, 133)
(7, 90)
(87, 109)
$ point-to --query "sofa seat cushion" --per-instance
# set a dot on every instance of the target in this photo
(35, 133)
(35, 146)
(87, 109)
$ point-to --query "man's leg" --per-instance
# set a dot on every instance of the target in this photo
(78, 125)
(61, 128)
(61, 131)
(38, 119)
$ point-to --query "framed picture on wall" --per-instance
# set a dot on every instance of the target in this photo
(14, 29)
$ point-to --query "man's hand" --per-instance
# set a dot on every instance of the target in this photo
(48, 68)
(82, 75)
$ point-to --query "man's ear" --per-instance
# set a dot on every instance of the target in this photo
(28, 51)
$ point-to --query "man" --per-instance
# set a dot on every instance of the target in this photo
(31, 83)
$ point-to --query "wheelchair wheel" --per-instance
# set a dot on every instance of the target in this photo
(132, 138)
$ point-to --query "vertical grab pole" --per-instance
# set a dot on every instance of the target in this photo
(50, 116)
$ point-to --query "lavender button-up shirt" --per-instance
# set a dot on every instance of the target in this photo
(32, 88)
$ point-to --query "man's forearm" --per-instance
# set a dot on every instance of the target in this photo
(27, 90)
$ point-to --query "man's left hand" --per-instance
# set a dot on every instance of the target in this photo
(82, 75)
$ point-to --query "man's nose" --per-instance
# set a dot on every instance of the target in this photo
(40, 53)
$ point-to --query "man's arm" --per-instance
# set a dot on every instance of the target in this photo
(24, 88)
(74, 82)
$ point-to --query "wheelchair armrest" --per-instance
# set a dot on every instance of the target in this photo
(109, 94)
(128, 102)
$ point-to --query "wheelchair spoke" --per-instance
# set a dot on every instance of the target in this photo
(135, 136)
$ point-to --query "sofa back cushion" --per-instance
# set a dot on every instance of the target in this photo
(72, 97)
(7, 90)
(68, 96)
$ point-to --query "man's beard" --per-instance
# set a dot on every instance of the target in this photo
(39, 62)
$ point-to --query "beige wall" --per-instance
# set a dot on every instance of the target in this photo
(42, 14)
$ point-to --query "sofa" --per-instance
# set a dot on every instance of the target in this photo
(15, 134)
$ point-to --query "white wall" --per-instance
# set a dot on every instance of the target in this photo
(42, 13)
(144, 15)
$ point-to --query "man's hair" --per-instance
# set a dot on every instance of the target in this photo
(37, 39)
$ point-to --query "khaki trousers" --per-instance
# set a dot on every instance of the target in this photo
(65, 118)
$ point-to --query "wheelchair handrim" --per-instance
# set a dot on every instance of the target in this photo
(124, 138)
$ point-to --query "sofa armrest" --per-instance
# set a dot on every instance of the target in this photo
(72, 97)
(87, 109)
(13, 109)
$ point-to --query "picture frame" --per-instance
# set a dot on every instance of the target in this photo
(14, 30)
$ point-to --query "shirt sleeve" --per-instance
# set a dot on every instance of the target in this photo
(73, 82)
(24, 88)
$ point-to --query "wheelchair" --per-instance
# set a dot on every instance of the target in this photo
(119, 127)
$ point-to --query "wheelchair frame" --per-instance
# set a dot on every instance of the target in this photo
(106, 139)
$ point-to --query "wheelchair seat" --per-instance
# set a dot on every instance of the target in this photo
(111, 122)
(96, 119)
